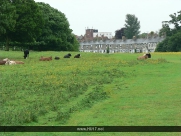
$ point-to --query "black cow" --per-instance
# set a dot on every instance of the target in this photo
(77, 56)
(26, 53)
(57, 58)
(148, 55)
(67, 56)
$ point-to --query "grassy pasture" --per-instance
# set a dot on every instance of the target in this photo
(95, 90)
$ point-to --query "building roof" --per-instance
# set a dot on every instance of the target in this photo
(127, 41)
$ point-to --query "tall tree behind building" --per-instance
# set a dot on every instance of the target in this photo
(132, 26)
(119, 33)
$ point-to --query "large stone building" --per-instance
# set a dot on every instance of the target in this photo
(101, 45)
(104, 34)
(91, 34)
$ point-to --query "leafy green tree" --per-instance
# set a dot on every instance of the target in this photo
(174, 42)
(173, 39)
(142, 35)
(36, 26)
(119, 33)
(29, 22)
(170, 44)
(162, 46)
(7, 16)
(74, 44)
(152, 33)
(7, 20)
(175, 20)
(56, 33)
(165, 30)
(132, 26)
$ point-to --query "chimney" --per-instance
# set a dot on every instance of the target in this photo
(134, 38)
(123, 38)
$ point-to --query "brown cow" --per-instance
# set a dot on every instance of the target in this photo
(2, 62)
(19, 62)
(145, 56)
(45, 58)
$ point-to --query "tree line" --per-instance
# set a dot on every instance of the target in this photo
(172, 42)
(36, 26)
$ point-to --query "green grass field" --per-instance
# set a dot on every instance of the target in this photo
(95, 90)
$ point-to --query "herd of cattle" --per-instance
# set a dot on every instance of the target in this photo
(7, 61)
(57, 58)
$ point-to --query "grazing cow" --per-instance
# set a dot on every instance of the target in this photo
(149, 55)
(26, 53)
(2, 62)
(145, 56)
(45, 58)
(77, 56)
(57, 58)
(67, 56)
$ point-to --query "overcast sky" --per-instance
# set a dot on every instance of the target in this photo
(110, 15)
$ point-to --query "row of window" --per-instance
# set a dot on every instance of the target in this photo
(128, 44)
(103, 33)
(122, 50)
(100, 46)
(109, 47)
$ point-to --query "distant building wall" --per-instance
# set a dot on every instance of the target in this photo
(90, 34)
(105, 34)
(121, 45)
